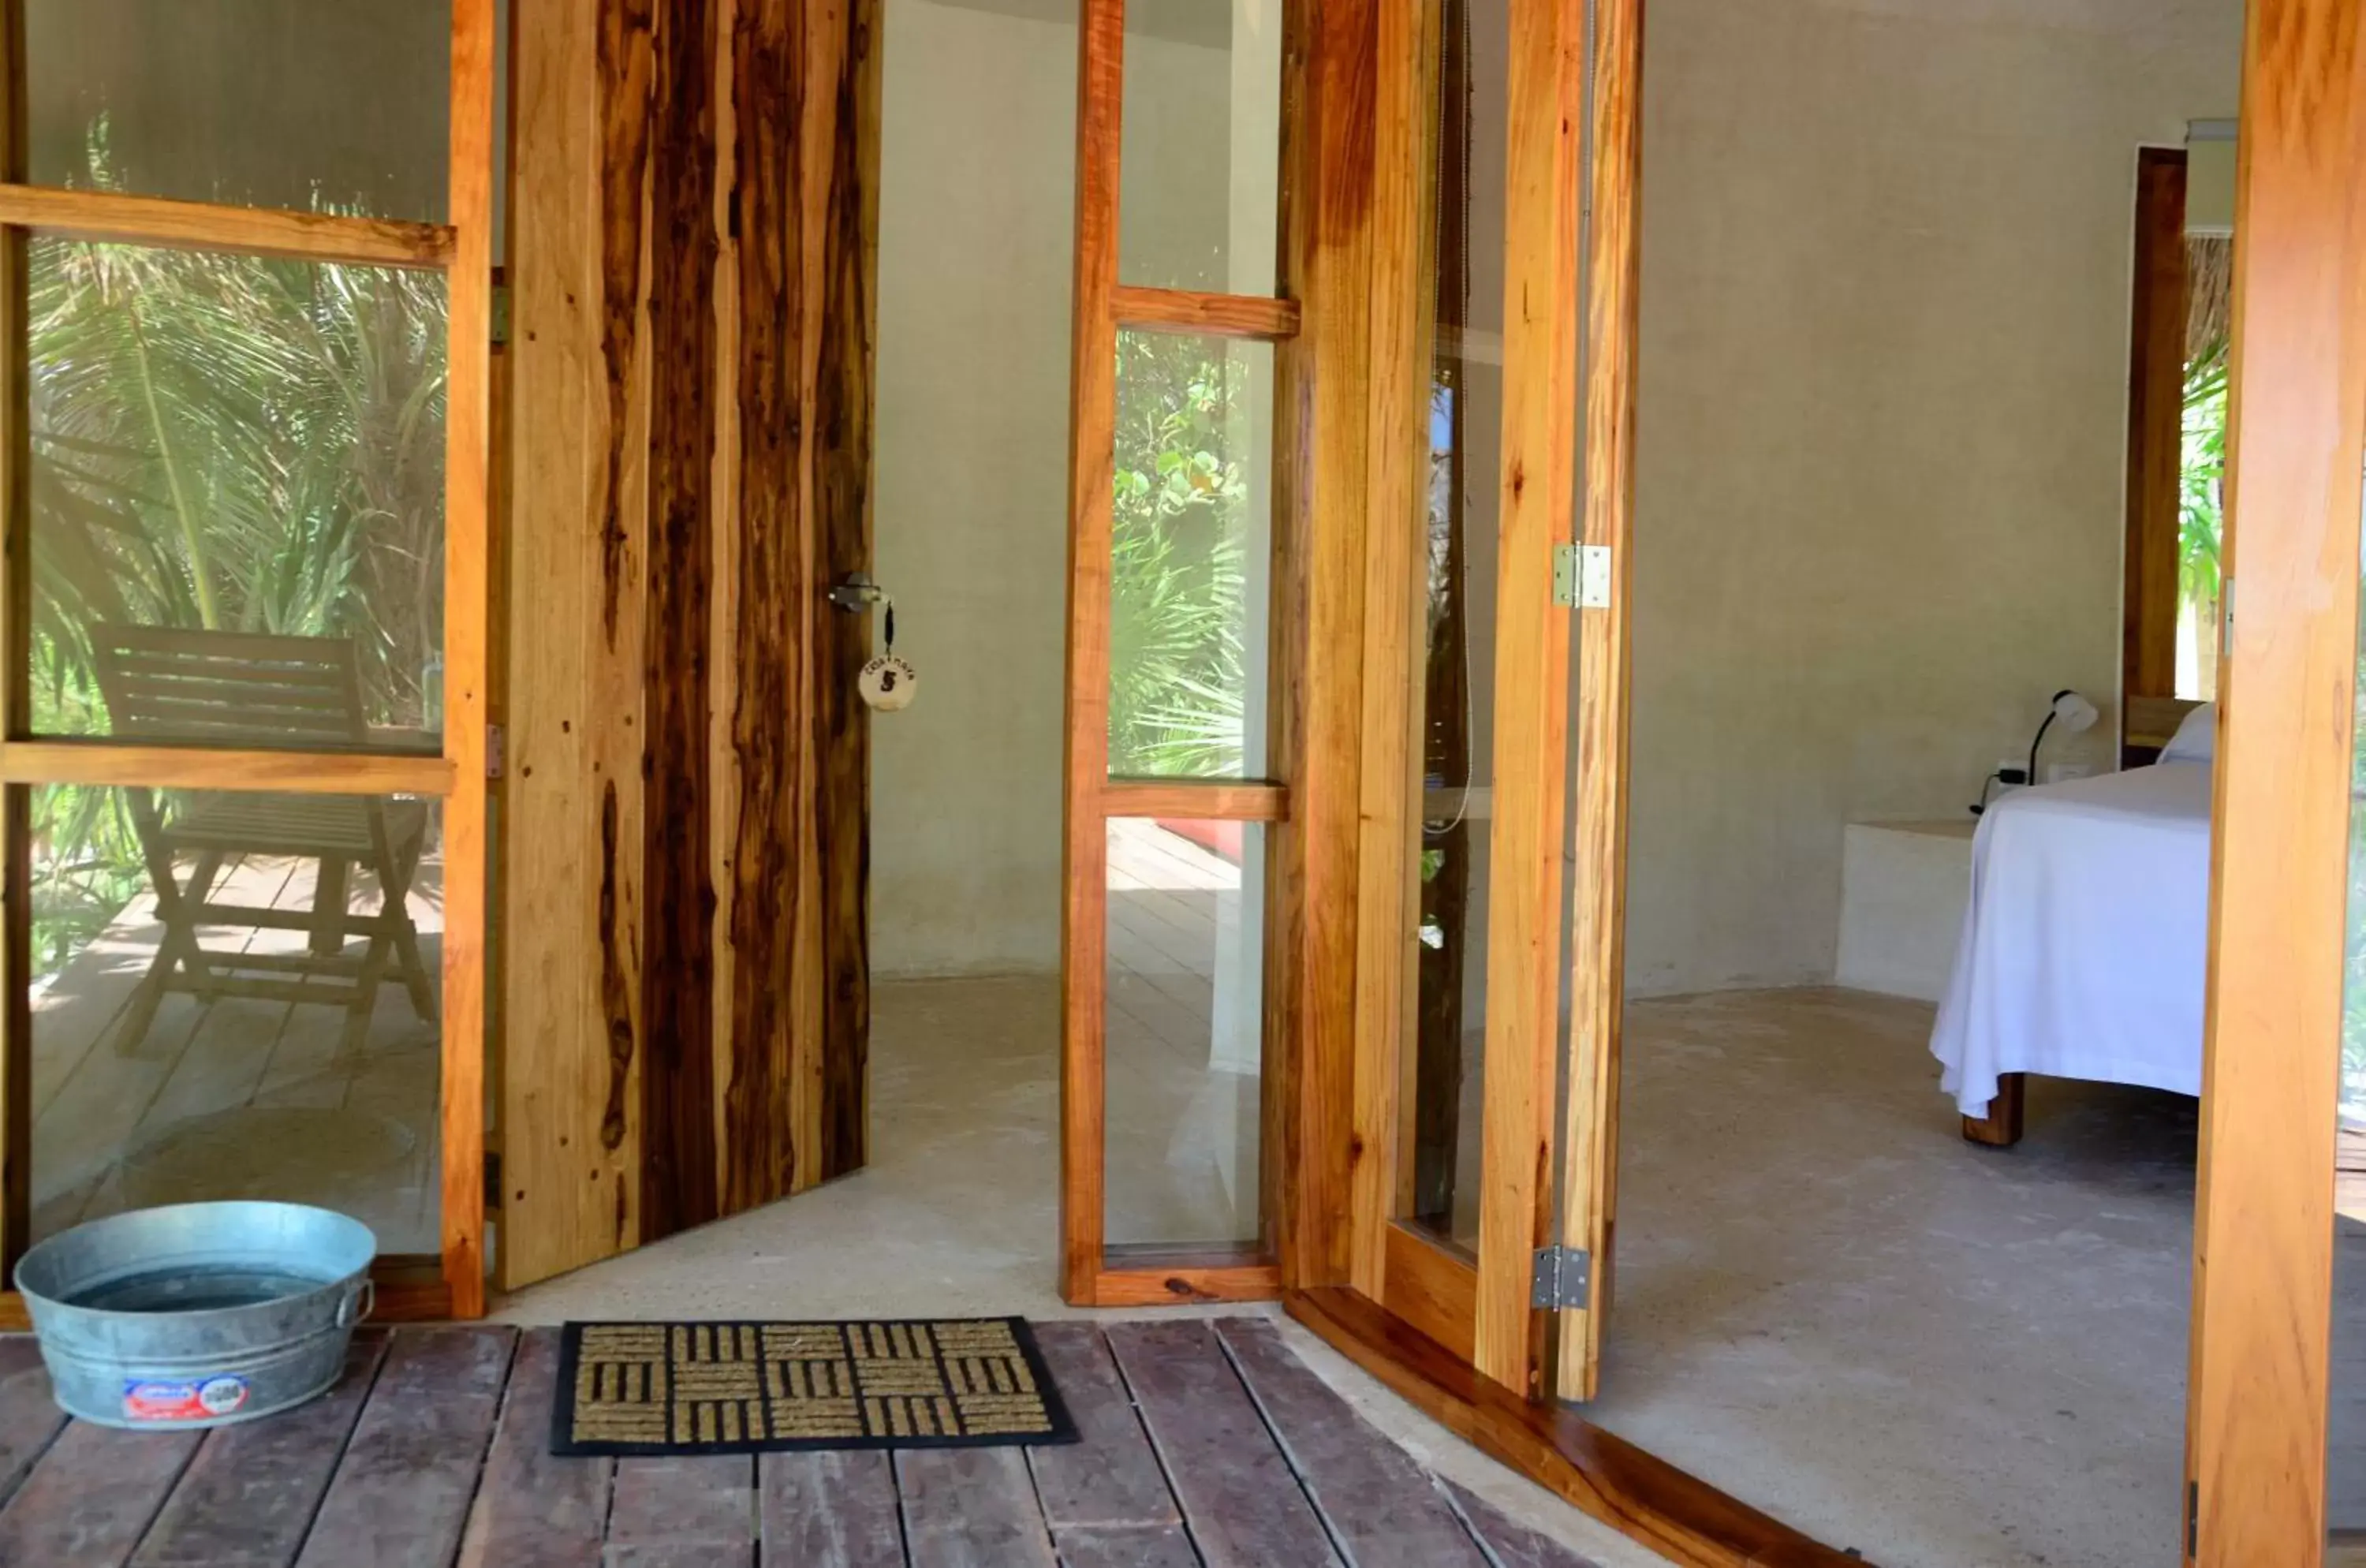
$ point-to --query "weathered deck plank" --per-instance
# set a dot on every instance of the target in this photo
(535, 1510)
(1379, 1503)
(91, 1496)
(682, 1511)
(249, 1495)
(443, 1456)
(402, 1495)
(971, 1508)
(29, 1419)
(1127, 1545)
(1111, 1477)
(1511, 1544)
(829, 1510)
(1243, 1504)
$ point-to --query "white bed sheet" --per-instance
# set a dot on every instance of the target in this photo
(2083, 945)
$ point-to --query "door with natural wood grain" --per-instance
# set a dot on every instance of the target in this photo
(685, 986)
(246, 321)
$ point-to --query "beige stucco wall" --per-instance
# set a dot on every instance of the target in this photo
(1886, 260)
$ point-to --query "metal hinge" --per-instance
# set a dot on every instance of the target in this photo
(2193, 1518)
(1581, 577)
(496, 750)
(492, 1179)
(500, 314)
(1564, 1278)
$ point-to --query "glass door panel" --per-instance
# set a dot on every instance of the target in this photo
(1458, 562)
(226, 446)
(340, 106)
(1191, 544)
(236, 994)
(1202, 170)
(1186, 977)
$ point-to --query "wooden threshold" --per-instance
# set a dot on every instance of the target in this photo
(1686, 1520)
(110, 216)
(1214, 315)
(177, 767)
(1212, 800)
(1159, 1276)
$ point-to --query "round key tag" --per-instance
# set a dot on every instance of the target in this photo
(888, 684)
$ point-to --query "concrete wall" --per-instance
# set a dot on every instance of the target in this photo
(1885, 262)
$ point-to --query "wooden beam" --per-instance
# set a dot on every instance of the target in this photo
(114, 218)
(1205, 800)
(1210, 315)
(1597, 956)
(2279, 846)
(1684, 1520)
(1092, 435)
(2155, 427)
(1396, 558)
(174, 767)
(1321, 520)
(1432, 1287)
(468, 652)
(1536, 513)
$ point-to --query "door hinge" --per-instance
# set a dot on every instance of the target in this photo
(2192, 1518)
(1564, 1278)
(492, 1179)
(1581, 577)
(500, 315)
(496, 748)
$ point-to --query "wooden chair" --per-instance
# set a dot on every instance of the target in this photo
(178, 687)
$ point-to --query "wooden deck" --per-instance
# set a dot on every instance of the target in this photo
(1205, 1442)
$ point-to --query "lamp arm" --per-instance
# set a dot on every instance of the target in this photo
(2034, 744)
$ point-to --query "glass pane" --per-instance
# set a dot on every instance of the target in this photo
(1198, 195)
(1185, 1031)
(238, 499)
(223, 1005)
(1457, 678)
(1193, 544)
(329, 104)
(2346, 1436)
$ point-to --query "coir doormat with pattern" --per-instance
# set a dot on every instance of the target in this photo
(669, 1388)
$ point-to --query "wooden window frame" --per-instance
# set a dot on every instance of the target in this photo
(2156, 435)
(450, 1283)
(1092, 1272)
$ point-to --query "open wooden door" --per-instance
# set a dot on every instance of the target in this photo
(1498, 588)
(685, 987)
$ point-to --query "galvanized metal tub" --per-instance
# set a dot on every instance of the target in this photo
(198, 1315)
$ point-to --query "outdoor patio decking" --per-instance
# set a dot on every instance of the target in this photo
(1204, 1443)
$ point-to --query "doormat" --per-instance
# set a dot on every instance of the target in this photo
(738, 1387)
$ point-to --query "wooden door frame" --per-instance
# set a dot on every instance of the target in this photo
(1092, 1271)
(452, 1282)
(2257, 1412)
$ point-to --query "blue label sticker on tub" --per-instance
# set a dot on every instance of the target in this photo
(146, 1399)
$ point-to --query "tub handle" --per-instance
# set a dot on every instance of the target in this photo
(358, 1305)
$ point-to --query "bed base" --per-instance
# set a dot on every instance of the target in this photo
(2000, 1128)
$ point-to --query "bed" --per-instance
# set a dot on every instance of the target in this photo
(2083, 945)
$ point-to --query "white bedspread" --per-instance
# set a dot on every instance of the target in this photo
(2083, 946)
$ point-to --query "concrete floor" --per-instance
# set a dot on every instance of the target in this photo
(1826, 1303)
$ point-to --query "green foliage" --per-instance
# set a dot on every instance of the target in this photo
(2203, 478)
(1178, 593)
(234, 443)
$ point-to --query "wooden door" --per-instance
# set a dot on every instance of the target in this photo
(685, 787)
(245, 318)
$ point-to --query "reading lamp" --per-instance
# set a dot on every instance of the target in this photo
(2076, 713)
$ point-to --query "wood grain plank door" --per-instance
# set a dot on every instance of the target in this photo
(686, 790)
